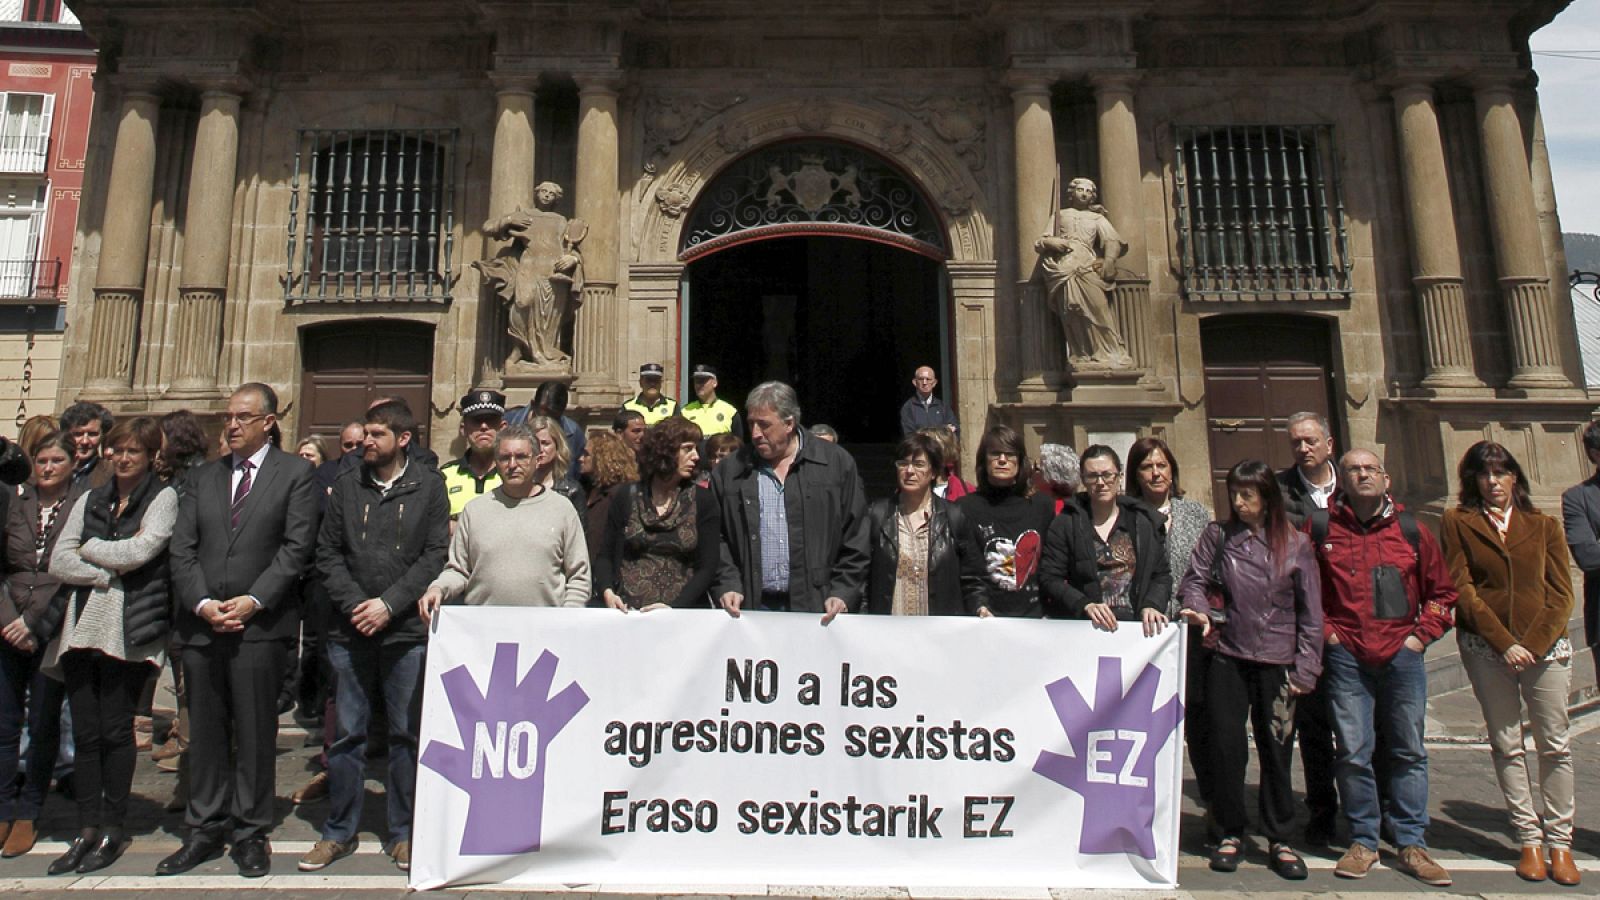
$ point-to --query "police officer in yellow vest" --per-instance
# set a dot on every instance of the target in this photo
(650, 402)
(483, 414)
(713, 415)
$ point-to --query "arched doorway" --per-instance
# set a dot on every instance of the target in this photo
(818, 263)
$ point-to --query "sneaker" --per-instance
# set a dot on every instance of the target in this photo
(325, 853)
(1416, 862)
(400, 852)
(311, 791)
(1356, 862)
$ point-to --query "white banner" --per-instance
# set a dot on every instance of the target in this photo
(584, 747)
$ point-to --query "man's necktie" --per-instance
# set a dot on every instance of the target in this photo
(242, 491)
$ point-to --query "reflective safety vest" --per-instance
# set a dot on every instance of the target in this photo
(717, 418)
(461, 485)
(665, 406)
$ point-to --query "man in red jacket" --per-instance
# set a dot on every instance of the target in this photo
(1386, 595)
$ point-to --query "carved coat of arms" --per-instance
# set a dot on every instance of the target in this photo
(812, 187)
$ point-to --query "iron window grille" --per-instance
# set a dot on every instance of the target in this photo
(371, 216)
(1260, 213)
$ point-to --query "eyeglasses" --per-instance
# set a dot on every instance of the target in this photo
(349, 445)
(1364, 470)
(1097, 477)
(241, 418)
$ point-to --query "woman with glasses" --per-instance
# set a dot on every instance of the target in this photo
(924, 558)
(113, 551)
(31, 608)
(1009, 525)
(1105, 558)
(1268, 652)
(1512, 569)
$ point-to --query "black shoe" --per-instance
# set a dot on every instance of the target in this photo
(252, 857)
(195, 850)
(106, 851)
(76, 851)
(1226, 857)
(1287, 863)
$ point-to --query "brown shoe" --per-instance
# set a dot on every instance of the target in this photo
(312, 791)
(1562, 869)
(400, 852)
(1356, 862)
(1531, 866)
(1416, 862)
(171, 749)
(5, 831)
(143, 733)
(325, 853)
(20, 838)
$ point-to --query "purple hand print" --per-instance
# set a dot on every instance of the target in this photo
(506, 732)
(1116, 741)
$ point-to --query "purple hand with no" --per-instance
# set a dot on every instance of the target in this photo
(504, 814)
(1119, 811)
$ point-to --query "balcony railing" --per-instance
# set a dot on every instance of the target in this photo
(30, 279)
(23, 153)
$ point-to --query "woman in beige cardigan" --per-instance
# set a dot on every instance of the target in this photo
(1511, 566)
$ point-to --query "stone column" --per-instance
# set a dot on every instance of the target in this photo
(1034, 140)
(511, 167)
(1121, 179)
(124, 244)
(207, 234)
(598, 205)
(1435, 256)
(1518, 249)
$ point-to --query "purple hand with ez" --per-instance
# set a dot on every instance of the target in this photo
(505, 799)
(1116, 741)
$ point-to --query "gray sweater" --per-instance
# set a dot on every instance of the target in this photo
(508, 552)
(97, 563)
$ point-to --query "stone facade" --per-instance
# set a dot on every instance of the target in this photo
(1431, 203)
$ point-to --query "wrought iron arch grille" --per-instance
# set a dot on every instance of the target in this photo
(808, 188)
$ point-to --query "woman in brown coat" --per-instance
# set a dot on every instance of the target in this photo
(31, 610)
(1511, 567)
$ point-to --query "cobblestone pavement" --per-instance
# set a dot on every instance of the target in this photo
(1469, 836)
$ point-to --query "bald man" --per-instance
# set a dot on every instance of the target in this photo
(922, 409)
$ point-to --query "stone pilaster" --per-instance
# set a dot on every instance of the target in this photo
(124, 245)
(1435, 256)
(207, 235)
(1121, 178)
(598, 204)
(1034, 143)
(1518, 248)
(511, 167)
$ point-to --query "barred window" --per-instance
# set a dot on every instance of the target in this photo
(1260, 213)
(371, 217)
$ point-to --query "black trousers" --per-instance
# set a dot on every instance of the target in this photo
(1237, 689)
(103, 693)
(1314, 725)
(1196, 721)
(233, 736)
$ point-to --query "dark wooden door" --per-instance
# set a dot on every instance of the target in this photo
(1260, 370)
(348, 365)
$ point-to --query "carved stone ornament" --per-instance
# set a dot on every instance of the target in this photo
(957, 201)
(669, 119)
(814, 116)
(1078, 263)
(958, 120)
(672, 199)
(539, 278)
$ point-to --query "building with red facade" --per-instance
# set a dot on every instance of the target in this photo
(47, 67)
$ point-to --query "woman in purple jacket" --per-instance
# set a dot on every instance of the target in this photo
(1266, 637)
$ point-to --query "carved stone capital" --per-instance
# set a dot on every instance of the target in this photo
(1114, 81)
(520, 84)
(1023, 82)
(605, 83)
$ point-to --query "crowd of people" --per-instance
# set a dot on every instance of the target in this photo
(1308, 609)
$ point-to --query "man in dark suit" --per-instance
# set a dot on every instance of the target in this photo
(245, 534)
(1580, 513)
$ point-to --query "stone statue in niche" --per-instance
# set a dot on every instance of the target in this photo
(1078, 262)
(539, 277)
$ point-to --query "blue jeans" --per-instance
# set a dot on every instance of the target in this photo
(366, 673)
(29, 697)
(1364, 699)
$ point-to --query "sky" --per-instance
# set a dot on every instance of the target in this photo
(1566, 54)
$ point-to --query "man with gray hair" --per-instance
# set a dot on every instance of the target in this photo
(794, 524)
(1307, 486)
(518, 545)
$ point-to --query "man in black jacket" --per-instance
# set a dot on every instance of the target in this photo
(383, 539)
(794, 523)
(245, 535)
